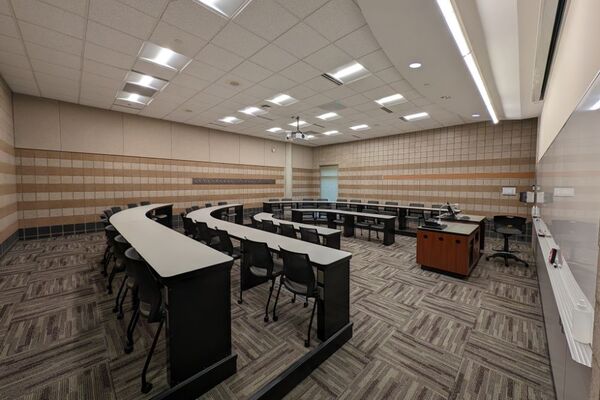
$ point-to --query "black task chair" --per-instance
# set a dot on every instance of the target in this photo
(150, 307)
(354, 207)
(277, 208)
(226, 246)
(132, 205)
(287, 230)
(415, 215)
(309, 235)
(286, 206)
(115, 209)
(189, 228)
(507, 226)
(391, 210)
(133, 265)
(110, 232)
(145, 203)
(268, 226)
(342, 206)
(131, 256)
(204, 235)
(188, 210)
(119, 247)
(206, 205)
(194, 208)
(299, 278)
(257, 258)
(321, 218)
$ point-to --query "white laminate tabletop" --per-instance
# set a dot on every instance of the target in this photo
(167, 251)
(318, 254)
(321, 230)
(345, 212)
(350, 203)
(456, 228)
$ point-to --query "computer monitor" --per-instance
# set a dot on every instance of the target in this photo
(451, 210)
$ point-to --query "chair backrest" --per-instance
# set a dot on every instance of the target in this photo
(194, 208)
(110, 232)
(287, 230)
(257, 254)
(108, 213)
(203, 231)
(286, 199)
(416, 213)
(273, 199)
(373, 202)
(297, 269)
(222, 203)
(145, 203)
(342, 200)
(115, 209)
(132, 205)
(207, 205)
(149, 290)
(268, 226)
(510, 221)
(370, 208)
(189, 227)
(225, 244)
(133, 263)
(188, 210)
(391, 209)
(121, 245)
(309, 235)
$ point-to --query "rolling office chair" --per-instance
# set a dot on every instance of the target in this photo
(309, 235)
(150, 306)
(194, 208)
(189, 229)
(391, 210)
(299, 278)
(354, 207)
(507, 226)
(115, 209)
(132, 205)
(287, 230)
(131, 256)
(256, 256)
(204, 235)
(321, 218)
(110, 232)
(277, 209)
(307, 217)
(342, 206)
(121, 246)
(206, 205)
(415, 215)
(286, 206)
(226, 215)
(188, 210)
(268, 226)
(133, 264)
(226, 246)
(144, 203)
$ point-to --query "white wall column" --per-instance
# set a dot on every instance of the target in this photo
(288, 171)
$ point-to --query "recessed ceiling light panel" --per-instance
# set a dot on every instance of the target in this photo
(145, 80)
(299, 123)
(253, 111)
(416, 117)
(275, 129)
(282, 100)
(349, 73)
(595, 106)
(226, 8)
(331, 133)
(133, 97)
(414, 65)
(361, 127)
(475, 115)
(391, 100)
(163, 56)
(231, 120)
(330, 116)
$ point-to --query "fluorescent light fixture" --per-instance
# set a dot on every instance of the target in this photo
(475, 115)
(391, 100)
(253, 111)
(308, 137)
(414, 65)
(275, 129)
(361, 127)
(226, 8)
(163, 56)
(231, 120)
(132, 97)
(349, 73)
(282, 100)
(330, 133)
(328, 116)
(416, 117)
(596, 106)
(299, 123)
(145, 80)
(451, 18)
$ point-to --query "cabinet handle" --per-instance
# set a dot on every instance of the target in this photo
(425, 237)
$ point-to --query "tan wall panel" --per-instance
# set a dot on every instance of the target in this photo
(252, 150)
(91, 130)
(190, 142)
(146, 137)
(274, 153)
(36, 123)
(224, 147)
(302, 157)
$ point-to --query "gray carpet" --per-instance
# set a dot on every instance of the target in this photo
(417, 334)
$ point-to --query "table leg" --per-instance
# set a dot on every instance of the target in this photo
(333, 240)
(267, 207)
(334, 299)
(297, 216)
(239, 215)
(389, 233)
(348, 225)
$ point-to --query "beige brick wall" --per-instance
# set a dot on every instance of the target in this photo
(8, 196)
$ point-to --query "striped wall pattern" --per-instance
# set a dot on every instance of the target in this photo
(305, 183)
(57, 188)
(8, 192)
(466, 164)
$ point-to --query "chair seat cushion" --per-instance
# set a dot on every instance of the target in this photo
(508, 231)
(262, 272)
(299, 288)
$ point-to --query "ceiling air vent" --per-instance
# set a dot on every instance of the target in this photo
(333, 106)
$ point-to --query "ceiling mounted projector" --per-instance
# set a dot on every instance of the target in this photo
(297, 134)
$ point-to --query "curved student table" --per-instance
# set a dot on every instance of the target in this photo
(350, 217)
(333, 302)
(197, 282)
(331, 235)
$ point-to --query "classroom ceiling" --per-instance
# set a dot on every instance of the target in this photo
(81, 51)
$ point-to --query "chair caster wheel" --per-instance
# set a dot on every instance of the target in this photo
(240, 302)
(266, 319)
(293, 301)
(115, 309)
(305, 304)
(275, 317)
(104, 273)
(487, 259)
(128, 348)
(146, 387)
(109, 291)
(119, 316)
(306, 343)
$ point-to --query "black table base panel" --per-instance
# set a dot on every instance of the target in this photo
(202, 382)
(302, 368)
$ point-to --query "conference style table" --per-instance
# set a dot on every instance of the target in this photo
(401, 212)
(333, 301)
(350, 218)
(331, 236)
(198, 300)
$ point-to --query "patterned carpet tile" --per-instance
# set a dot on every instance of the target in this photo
(460, 312)
(391, 312)
(457, 292)
(369, 332)
(525, 333)
(445, 333)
